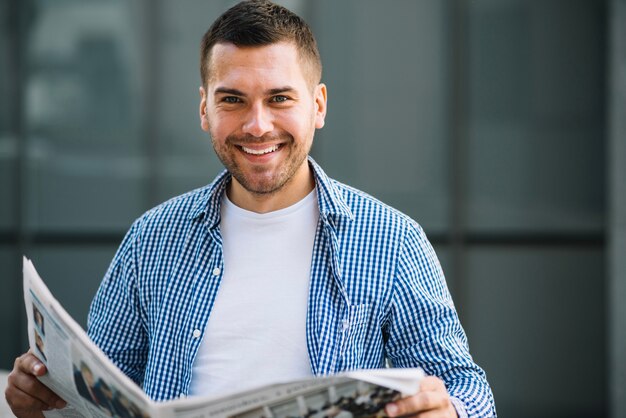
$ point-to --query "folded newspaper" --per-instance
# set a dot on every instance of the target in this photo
(93, 386)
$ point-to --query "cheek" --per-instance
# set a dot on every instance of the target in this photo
(219, 127)
(299, 122)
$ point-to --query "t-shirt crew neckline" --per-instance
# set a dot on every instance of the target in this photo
(276, 214)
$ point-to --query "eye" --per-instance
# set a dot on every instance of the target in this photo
(231, 99)
(279, 99)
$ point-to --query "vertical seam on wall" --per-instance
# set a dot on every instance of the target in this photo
(458, 150)
(18, 35)
(150, 97)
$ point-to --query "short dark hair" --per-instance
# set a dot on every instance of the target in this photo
(260, 23)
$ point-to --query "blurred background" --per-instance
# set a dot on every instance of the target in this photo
(499, 125)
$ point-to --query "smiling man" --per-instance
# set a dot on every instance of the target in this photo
(273, 271)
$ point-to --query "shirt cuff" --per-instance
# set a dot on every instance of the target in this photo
(459, 406)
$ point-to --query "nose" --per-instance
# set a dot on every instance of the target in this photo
(258, 121)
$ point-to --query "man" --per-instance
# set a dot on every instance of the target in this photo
(273, 271)
(85, 382)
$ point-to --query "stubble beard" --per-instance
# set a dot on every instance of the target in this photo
(257, 181)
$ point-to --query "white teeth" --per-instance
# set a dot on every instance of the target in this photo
(260, 151)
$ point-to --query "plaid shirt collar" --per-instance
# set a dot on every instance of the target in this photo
(331, 202)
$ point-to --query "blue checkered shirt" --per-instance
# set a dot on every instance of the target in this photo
(377, 295)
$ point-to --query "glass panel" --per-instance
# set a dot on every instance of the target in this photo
(535, 320)
(7, 182)
(8, 145)
(12, 311)
(73, 270)
(536, 150)
(386, 129)
(83, 113)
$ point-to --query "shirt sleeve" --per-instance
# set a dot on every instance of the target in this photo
(425, 330)
(115, 321)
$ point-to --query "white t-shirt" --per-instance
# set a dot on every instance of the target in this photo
(256, 331)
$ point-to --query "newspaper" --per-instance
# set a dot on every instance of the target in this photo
(93, 386)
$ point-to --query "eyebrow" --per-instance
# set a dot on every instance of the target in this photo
(226, 90)
(270, 92)
(279, 90)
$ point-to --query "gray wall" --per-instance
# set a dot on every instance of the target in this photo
(483, 120)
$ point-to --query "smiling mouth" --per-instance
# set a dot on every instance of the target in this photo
(263, 151)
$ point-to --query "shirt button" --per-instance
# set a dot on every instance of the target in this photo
(196, 333)
(216, 271)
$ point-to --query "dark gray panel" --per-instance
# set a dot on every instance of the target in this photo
(12, 309)
(535, 320)
(8, 142)
(536, 154)
(8, 184)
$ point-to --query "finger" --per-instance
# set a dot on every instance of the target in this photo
(437, 413)
(24, 405)
(447, 412)
(28, 363)
(25, 384)
(28, 386)
(431, 383)
(423, 401)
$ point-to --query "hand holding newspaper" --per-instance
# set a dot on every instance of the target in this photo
(93, 386)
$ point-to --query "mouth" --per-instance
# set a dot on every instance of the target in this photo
(260, 151)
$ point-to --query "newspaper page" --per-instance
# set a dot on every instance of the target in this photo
(93, 386)
(77, 370)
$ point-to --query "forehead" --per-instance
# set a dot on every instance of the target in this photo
(269, 63)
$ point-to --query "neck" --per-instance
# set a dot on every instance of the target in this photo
(296, 189)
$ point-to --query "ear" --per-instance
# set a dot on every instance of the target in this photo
(320, 97)
(204, 120)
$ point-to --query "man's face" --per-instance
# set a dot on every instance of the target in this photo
(261, 113)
